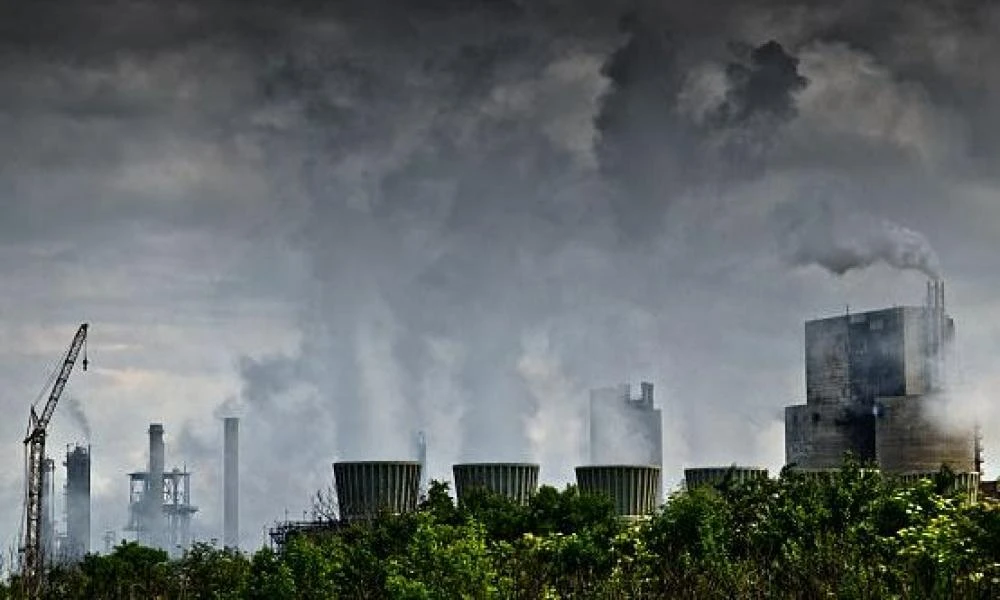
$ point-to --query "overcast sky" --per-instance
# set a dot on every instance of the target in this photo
(349, 223)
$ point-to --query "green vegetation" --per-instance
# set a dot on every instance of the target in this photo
(849, 535)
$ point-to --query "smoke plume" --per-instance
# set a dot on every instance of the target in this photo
(826, 230)
(79, 417)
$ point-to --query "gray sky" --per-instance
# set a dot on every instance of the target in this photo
(348, 223)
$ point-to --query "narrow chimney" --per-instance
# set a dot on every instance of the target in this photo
(231, 483)
(154, 487)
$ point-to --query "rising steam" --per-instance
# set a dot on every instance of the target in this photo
(825, 230)
(75, 410)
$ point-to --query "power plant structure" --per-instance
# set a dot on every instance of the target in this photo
(76, 543)
(713, 476)
(516, 481)
(49, 539)
(625, 429)
(368, 488)
(873, 381)
(634, 489)
(160, 508)
(231, 483)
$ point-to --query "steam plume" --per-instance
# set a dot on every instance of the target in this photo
(825, 231)
(75, 410)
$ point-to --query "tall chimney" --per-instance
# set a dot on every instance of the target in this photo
(153, 526)
(231, 483)
(77, 503)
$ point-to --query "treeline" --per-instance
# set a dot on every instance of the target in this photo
(850, 535)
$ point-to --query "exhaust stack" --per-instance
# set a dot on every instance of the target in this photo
(154, 487)
(231, 483)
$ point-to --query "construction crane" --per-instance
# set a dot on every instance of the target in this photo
(32, 569)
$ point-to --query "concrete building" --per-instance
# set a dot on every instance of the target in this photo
(870, 380)
(625, 429)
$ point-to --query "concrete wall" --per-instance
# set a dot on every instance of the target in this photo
(907, 440)
(817, 437)
(827, 364)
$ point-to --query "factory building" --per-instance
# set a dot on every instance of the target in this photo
(76, 544)
(160, 508)
(871, 380)
(625, 429)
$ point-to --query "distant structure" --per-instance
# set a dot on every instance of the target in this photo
(625, 429)
(516, 481)
(160, 508)
(871, 380)
(421, 440)
(711, 476)
(48, 538)
(231, 483)
(634, 489)
(77, 541)
(367, 488)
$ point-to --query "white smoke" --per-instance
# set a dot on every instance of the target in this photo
(822, 228)
(76, 413)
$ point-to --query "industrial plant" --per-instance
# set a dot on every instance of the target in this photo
(872, 380)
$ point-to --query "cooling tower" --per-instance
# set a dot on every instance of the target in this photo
(700, 476)
(366, 488)
(632, 488)
(517, 481)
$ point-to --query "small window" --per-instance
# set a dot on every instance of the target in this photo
(877, 325)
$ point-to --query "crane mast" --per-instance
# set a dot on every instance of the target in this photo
(31, 566)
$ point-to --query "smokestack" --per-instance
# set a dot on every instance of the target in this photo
(231, 483)
(77, 503)
(154, 487)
